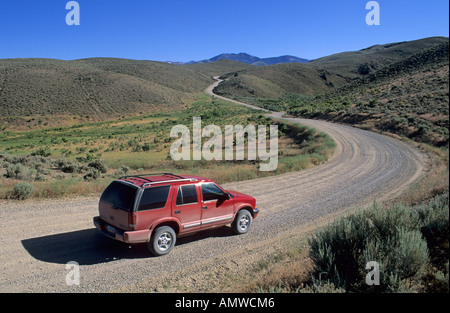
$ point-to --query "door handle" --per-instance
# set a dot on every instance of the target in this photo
(204, 207)
(177, 212)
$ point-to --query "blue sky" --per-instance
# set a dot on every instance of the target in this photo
(193, 30)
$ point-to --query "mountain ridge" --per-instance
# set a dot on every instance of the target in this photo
(105, 88)
(244, 57)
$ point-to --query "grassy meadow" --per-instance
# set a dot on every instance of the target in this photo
(82, 159)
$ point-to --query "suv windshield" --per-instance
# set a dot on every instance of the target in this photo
(210, 191)
(120, 195)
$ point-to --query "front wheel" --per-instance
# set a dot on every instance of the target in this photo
(162, 241)
(242, 222)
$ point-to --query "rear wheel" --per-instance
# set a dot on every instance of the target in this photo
(162, 241)
(242, 222)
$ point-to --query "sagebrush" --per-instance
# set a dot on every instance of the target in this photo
(408, 243)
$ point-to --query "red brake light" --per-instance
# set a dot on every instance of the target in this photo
(132, 221)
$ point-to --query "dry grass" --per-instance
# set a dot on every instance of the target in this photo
(141, 144)
(94, 89)
(289, 269)
(435, 181)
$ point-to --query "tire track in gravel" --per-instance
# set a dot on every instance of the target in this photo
(38, 238)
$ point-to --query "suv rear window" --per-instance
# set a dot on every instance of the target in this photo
(154, 198)
(120, 195)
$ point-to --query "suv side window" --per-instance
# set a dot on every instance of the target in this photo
(187, 194)
(210, 191)
(154, 198)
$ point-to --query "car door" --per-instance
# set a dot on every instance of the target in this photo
(187, 207)
(217, 208)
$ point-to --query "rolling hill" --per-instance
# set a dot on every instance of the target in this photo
(320, 75)
(220, 67)
(100, 88)
(357, 63)
(52, 91)
(408, 98)
(275, 80)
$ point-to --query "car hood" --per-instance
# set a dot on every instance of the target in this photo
(237, 193)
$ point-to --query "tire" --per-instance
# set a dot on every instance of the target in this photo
(242, 222)
(162, 241)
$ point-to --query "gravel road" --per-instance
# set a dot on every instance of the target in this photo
(38, 238)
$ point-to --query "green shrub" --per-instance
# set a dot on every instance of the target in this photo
(336, 249)
(18, 171)
(12, 170)
(99, 165)
(22, 191)
(402, 257)
(44, 152)
(122, 171)
(434, 225)
(70, 167)
(93, 174)
(147, 147)
(401, 239)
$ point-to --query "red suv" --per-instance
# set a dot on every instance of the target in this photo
(156, 208)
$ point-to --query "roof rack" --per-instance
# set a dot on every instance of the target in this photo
(143, 176)
(150, 182)
(168, 181)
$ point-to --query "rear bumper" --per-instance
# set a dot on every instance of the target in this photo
(138, 236)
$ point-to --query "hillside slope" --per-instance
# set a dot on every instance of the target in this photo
(409, 98)
(103, 88)
(216, 68)
(322, 75)
(275, 80)
(99, 87)
(356, 63)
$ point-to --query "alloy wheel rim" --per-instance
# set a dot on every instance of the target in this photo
(243, 222)
(164, 241)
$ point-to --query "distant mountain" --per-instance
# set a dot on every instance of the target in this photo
(327, 73)
(239, 57)
(250, 59)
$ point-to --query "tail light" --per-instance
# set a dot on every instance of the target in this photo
(132, 221)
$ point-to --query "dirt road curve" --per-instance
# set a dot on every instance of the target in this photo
(38, 238)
